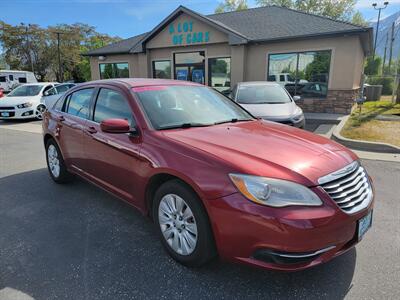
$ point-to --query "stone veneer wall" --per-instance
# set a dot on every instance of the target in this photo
(339, 102)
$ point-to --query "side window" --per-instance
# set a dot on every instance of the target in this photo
(281, 77)
(22, 80)
(271, 77)
(63, 88)
(11, 77)
(52, 91)
(47, 88)
(79, 102)
(112, 105)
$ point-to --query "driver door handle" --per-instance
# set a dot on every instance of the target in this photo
(91, 130)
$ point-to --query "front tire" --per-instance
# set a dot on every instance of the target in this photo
(55, 163)
(39, 111)
(183, 224)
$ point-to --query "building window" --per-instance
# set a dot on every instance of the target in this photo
(219, 73)
(162, 69)
(302, 73)
(114, 70)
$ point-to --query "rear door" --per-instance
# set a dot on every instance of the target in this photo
(71, 123)
(113, 159)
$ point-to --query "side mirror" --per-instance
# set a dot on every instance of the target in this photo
(46, 93)
(115, 126)
(296, 98)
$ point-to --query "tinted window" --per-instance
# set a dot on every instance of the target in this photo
(282, 77)
(79, 103)
(112, 105)
(2, 78)
(63, 88)
(271, 78)
(22, 80)
(259, 94)
(11, 77)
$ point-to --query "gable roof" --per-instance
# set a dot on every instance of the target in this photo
(269, 23)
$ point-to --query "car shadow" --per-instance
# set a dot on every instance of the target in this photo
(76, 241)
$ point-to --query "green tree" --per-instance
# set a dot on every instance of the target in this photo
(358, 19)
(231, 5)
(35, 48)
(372, 66)
(338, 10)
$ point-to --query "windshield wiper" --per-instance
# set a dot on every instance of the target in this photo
(234, 120)
(185, 125)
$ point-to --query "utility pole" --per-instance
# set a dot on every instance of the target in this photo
(375, 6)
(60, 71)
(28, 45)
(384, 54)
(391, 47)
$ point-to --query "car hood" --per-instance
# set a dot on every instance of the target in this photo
(268, 149)
(12, 101)
(273, 111)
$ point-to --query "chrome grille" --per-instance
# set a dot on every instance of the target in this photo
(349, 187)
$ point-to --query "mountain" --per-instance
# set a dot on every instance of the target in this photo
(385, 27)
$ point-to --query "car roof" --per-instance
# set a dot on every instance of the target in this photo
(247, 83)
(140, 82)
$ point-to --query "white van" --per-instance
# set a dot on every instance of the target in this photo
(284, 78)
(9, 79)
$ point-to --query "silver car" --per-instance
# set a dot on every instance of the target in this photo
(51, 96)
(270, 101)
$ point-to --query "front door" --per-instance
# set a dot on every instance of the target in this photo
(190, 66)
(70, 125)
(113, 159)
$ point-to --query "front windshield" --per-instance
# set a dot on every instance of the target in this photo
(25, 90)
(187, 106)
(262, 94)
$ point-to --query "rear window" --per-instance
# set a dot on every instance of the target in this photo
(262, 94)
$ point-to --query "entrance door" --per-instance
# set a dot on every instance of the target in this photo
(190, 66)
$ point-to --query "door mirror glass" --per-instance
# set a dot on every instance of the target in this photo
(296, 98)
(115, 126)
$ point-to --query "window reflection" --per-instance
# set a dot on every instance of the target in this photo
(220, 73)
(114, 70)
(162, 69)
(303, 73)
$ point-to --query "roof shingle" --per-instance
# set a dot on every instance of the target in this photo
(257, 24)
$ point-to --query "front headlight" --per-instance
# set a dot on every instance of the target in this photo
(298, 114)
(274, 192)
(24, 105)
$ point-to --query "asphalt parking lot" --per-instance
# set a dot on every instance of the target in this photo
(76, 241)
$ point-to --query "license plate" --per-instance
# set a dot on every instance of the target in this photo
(364, 224)
(5, 114)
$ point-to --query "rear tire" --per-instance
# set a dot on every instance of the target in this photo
(55, 163)
(183, 224)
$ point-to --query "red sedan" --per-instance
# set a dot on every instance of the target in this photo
(215, 180)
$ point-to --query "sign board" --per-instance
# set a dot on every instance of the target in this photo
(185, 33)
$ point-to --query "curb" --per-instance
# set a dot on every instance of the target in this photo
(360, 144)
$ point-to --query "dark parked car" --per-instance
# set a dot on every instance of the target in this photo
(215, 180)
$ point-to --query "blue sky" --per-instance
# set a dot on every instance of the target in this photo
(124, 18)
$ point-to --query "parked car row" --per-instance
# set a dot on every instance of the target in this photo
(31, 100)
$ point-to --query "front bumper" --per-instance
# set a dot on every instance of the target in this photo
(17, 113)
(299, 123)
(298, 237)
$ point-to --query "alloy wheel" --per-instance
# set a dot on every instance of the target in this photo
(178, 224)
(39, 111)
(53, 161)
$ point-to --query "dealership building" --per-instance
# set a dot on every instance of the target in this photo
(315, 57)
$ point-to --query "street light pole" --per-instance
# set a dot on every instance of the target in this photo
(375, 6)
(60, 71)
